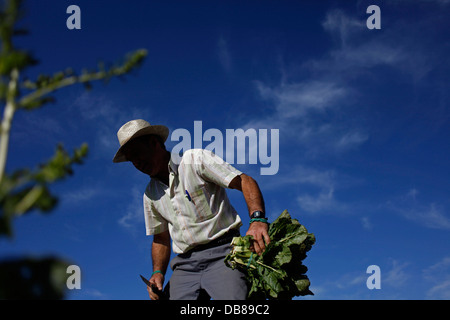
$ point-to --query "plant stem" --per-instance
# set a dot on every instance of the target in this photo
(8, 115)
(291, 236)
(260, 263)
(61, 84)
(266, 266)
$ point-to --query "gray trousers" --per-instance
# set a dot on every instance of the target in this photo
(206, 270)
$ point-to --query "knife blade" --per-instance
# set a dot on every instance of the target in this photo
(154, 288)
(146, 281)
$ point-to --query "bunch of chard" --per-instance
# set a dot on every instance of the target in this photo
(279, 272)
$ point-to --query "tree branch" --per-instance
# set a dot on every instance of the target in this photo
(8, 115)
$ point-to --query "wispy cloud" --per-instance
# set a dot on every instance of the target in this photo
(318, 196)
(350, 140)
(440, 291)
(366, 223)
(305, 113)
(310, 106)
(341, 26)
(396, 276)
(322, 202)
(81, 195)
(352, 283)
(133, 218)
(104, 117)
(313, 104)
(297, 99)
(439, 276)
(300, 174)
(358, 51)
(430, 215)
(88, 293)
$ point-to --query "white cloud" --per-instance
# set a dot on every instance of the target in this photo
(323, 202)
(296, 99)
(350, 140)
(396, 276)
(299, 174)
(439, 276)
(134, 214)
(429, 215)
(90, 293)
(352, 283)
(104, 118)
(342, 26)
(440, 291)
(358, 50)
(318, 188)
(351, 279)
(310, 107)
(366, 223)
(354, 60)
(305, 111)
(81, 195)
(437, 270)
(310, 104)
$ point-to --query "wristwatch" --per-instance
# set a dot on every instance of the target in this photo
(257, 215)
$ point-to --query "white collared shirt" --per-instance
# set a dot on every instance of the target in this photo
(194, 207)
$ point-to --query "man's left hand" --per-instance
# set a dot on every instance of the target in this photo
(259, 231)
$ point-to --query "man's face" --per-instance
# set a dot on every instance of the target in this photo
(144, 153)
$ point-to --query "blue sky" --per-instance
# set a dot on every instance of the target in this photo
(363, 119)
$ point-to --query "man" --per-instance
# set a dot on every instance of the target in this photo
(186, 202)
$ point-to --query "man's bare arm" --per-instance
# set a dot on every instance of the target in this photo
(254, 199)
(160, 258)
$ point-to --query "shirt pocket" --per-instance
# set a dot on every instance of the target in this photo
(201, 203)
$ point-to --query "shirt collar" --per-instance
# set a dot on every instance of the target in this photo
(173, 167)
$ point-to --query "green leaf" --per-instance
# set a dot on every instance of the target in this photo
(283, 256)
(31, 278)
(26, 190)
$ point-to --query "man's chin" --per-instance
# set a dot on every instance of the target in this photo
(147, 172)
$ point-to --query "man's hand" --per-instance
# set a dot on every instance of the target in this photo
(156, 280)
(259, 231)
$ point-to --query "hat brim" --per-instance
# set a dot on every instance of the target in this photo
(158, 130)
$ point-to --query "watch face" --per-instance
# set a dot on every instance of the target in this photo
(258, 214)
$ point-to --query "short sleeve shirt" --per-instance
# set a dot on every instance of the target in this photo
(194, 207)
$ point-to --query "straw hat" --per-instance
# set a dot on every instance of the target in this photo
(137, 128)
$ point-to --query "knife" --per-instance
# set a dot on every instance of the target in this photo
(154, 288)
